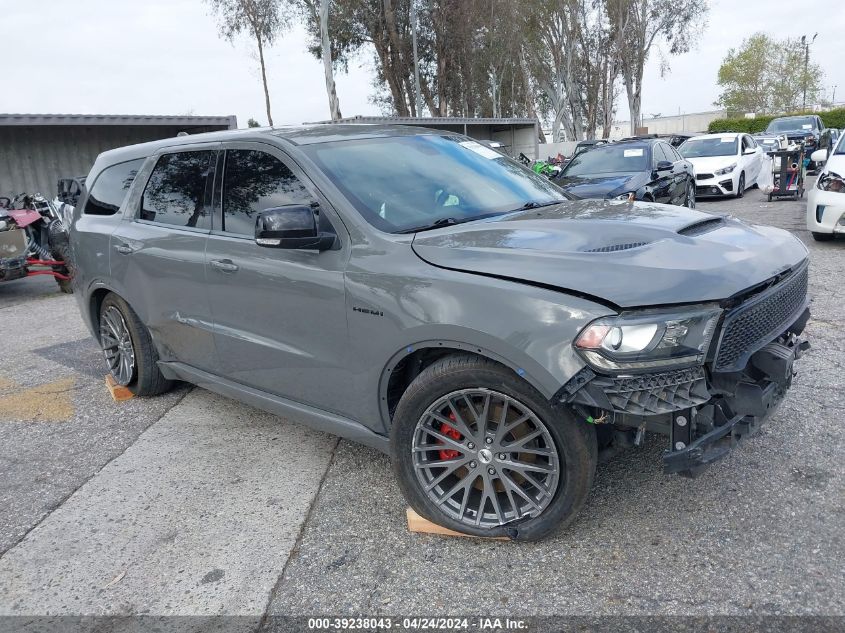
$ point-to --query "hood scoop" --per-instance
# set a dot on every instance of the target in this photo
(615, 247)
(704, 226)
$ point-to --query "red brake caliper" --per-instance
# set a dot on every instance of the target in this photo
(449, 453)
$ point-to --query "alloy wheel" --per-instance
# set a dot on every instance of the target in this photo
(117, 346)
(484, 458)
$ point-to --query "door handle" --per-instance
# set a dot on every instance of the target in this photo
(224, 265)
(124, 249)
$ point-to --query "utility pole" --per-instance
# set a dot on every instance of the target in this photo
(806, 46)
(416, 60)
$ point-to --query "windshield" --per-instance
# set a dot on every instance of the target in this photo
(701, 147)
(791, 124)
(403, 182)
(608, 159)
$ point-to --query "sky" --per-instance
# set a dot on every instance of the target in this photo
(165, 57)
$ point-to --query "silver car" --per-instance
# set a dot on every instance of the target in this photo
(425, 295)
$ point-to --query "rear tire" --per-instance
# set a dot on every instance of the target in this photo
(141, 375)
(823, 237)
(563, 451)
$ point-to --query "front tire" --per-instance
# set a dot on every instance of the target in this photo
(128, 349)
(690, 201)
(822, 237)
(478, 450)
(740, 189)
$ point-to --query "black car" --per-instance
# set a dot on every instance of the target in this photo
(643, 169)
(807, 129)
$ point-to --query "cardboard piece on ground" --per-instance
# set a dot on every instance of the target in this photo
(118, 392)
(416, 523)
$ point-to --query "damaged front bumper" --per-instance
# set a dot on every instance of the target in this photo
(705, 410)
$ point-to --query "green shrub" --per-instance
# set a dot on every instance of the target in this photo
(831, 118)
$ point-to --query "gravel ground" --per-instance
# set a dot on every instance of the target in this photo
(759, 533)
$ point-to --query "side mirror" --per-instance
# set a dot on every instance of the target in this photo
(664, 165)
(292, 226)
(819, 156)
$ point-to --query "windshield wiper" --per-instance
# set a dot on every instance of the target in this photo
(536, 205)
(434, 225)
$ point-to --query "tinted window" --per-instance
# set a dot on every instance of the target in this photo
(253, 182)
(661, 152)
(612, 158)
(112, 187)
(403, 182)
(673, 152)
(175, 193)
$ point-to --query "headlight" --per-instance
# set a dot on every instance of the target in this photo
(831, 181)
(725, 170)
(649, 339)
(628, 197)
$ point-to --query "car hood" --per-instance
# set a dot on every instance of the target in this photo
(626, 254)
(598, 185)
(709, 164)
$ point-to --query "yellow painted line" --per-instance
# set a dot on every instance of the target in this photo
(50, 402)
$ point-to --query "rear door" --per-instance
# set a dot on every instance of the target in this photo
(279, 315)
(158, 255)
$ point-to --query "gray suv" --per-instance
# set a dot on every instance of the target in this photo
(420, 293)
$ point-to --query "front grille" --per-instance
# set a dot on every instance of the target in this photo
(703, 176)
(652, 394)
(760, 320)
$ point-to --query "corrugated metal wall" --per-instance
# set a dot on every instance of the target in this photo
(33, 158)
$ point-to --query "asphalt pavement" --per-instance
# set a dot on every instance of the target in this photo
(192, 504)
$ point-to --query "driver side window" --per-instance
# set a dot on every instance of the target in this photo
(254, 181)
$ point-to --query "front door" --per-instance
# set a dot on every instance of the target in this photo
(157, 256)
(662, 180)
(279, 315)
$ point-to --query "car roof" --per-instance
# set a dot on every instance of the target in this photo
(296, 135)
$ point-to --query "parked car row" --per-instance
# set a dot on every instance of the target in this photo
(677, 169)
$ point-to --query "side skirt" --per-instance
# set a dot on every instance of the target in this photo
(304, 414)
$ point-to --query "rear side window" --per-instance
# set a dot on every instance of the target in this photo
(111, 188)
(175, 192)
(253, 182)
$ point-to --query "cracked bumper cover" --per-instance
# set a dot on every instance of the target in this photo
(704, 413)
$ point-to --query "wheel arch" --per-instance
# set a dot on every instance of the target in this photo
(408, 362)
